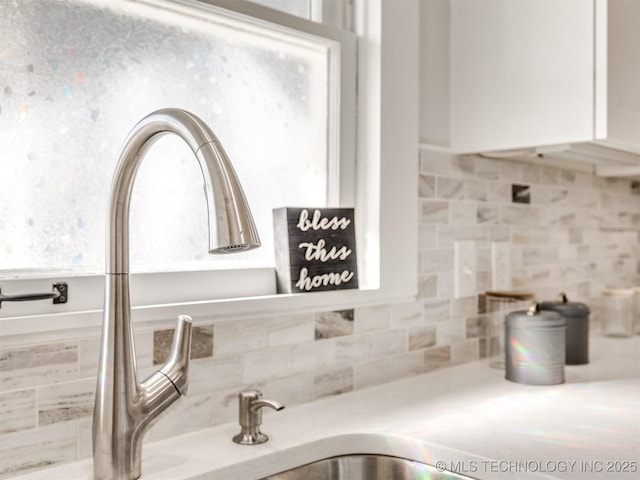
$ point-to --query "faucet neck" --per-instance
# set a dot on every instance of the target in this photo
(231, 226)
(192, 130)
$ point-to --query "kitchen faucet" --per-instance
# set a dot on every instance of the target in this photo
(125, 408)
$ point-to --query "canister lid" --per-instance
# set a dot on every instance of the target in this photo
(618, 292)
(534, 318)
(566, 308)
(512, 294)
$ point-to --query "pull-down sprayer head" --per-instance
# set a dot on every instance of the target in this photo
(231, 226)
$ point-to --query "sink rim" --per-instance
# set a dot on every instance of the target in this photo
(379, 443)
(365, 457)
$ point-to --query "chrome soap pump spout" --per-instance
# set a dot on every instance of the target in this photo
(125, 408)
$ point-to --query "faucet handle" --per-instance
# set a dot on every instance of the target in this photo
(250, 404)
(176, 368)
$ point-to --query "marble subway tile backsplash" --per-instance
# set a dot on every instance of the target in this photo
(64, 402)
(27, 366)
(334, 324)
(38, 448)
(18, 411)
(201, 343)
(577, 234)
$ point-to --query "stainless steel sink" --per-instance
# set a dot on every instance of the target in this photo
(366, 467)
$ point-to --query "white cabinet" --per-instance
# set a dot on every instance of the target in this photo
(513, 74)
(624, 75)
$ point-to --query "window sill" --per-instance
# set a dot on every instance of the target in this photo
(58, 326)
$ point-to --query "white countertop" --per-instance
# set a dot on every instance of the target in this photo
(468, 417)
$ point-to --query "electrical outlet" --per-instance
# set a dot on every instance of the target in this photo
(465, 269)
(500, 266)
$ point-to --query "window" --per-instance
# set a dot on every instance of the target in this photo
(383, 187)
(74, 89)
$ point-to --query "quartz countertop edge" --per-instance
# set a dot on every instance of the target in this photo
(468, 417)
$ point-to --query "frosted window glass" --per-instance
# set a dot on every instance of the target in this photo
(76, 76)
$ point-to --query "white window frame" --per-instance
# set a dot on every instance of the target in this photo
(385, 194)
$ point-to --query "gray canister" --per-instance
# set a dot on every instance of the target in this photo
(535, 346)
(577, 337)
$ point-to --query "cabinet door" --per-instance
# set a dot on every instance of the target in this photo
(624, 75)
(521, 73)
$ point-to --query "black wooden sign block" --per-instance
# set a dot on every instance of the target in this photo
(315, 249)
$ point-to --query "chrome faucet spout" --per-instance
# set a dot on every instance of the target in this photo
(125, 408)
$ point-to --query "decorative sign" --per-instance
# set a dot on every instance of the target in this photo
(315, 249)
